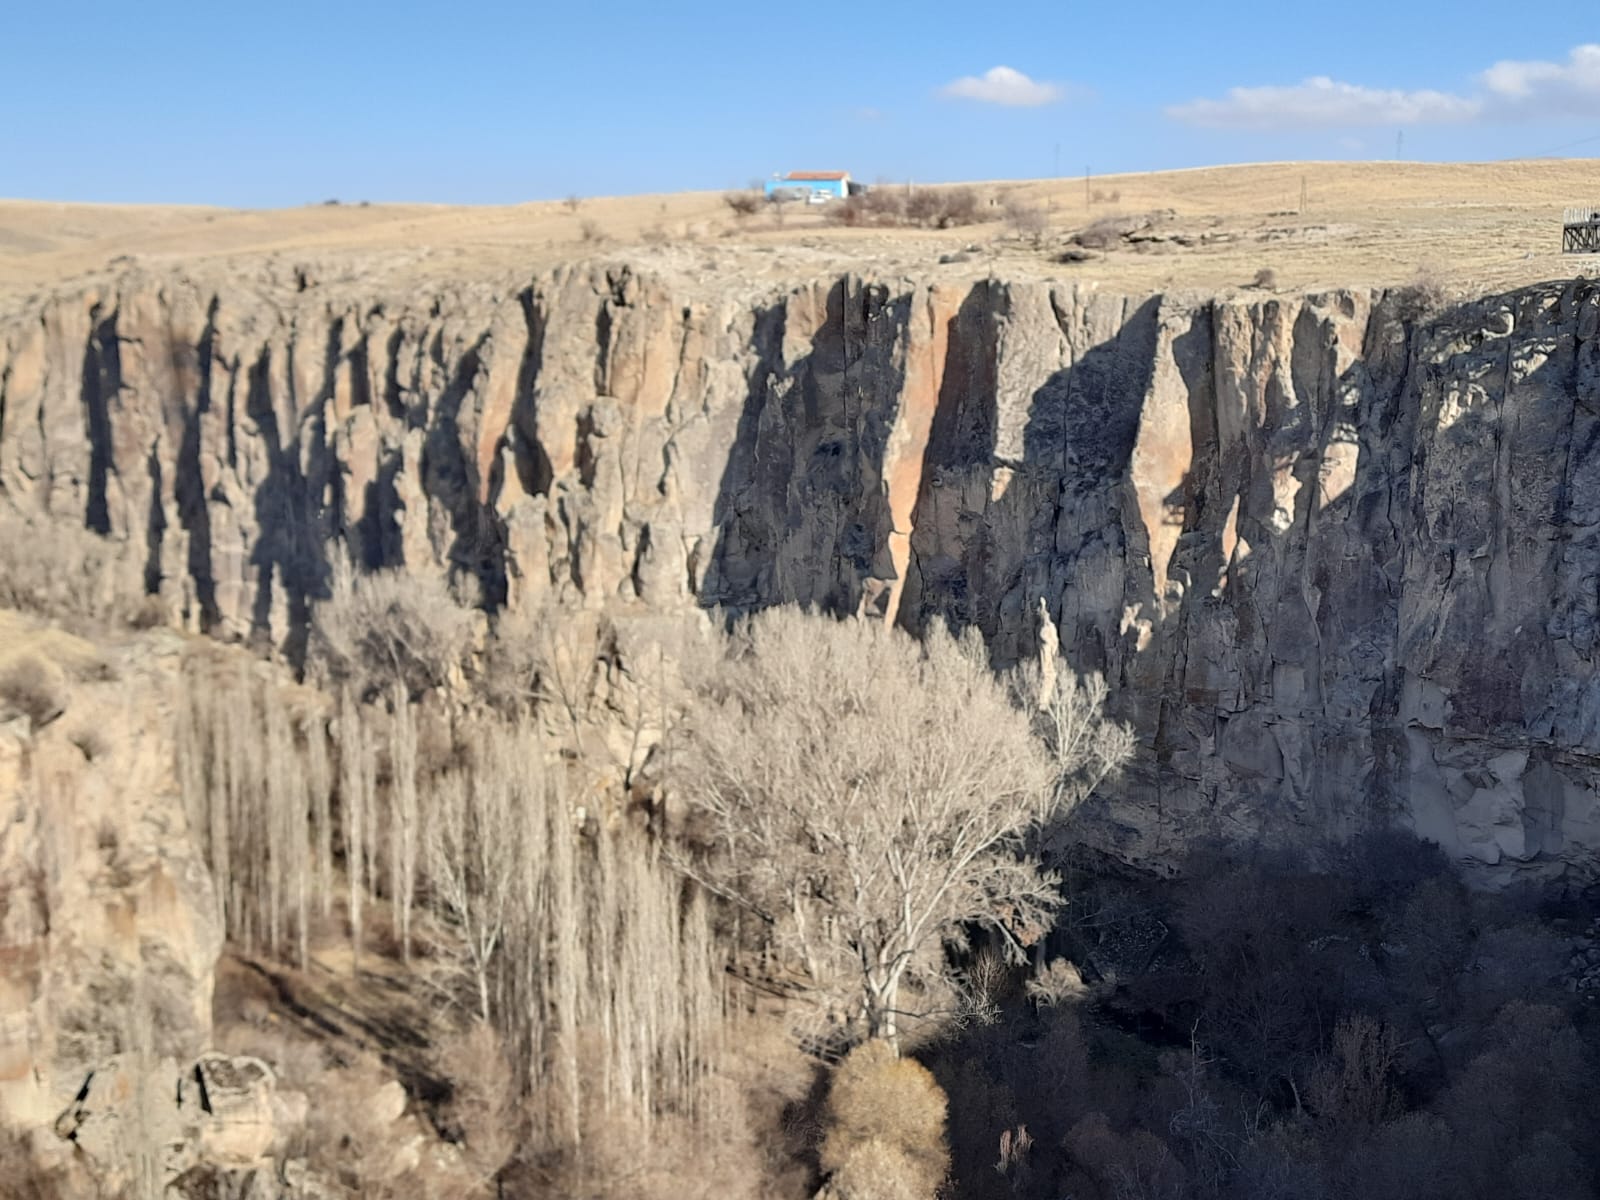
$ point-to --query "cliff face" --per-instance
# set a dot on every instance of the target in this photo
(108, 927)
(1339, 560)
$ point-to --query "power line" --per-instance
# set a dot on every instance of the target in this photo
(1569, 146)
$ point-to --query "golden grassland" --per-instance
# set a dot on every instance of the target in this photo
(1480, 226)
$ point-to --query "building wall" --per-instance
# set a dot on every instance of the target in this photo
(801, 188)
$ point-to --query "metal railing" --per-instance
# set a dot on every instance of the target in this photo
(1581, 216)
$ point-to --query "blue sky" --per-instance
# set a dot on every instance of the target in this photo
(253, 104)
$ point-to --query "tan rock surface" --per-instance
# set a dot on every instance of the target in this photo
(108, 930)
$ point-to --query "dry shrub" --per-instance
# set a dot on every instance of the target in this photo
(881, 206)
(1103, 234)
(781, 1099)
(63, 571)
(876, 1170)
(1521, 962)
(22, 1177)
(1025, 218)
(1353, 1085)
(1284, 1163)
(591, 232)
(743, 204)
(938, 208)
(349, 1142)
(924, 207)
(297, 1061)
(1134, 1164)
(391, 628)
(711, 1155)
(1531, 1077)
(1059, 983)
(886, 1136)
(30, 688)
(962, 206)
(1433, 927)
(1266, 278)
(1384, 865)
(484, 1110)
(1423, 298)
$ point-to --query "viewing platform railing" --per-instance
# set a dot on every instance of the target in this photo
(1580, 230)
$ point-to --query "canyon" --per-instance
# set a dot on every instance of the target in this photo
(1335, 551)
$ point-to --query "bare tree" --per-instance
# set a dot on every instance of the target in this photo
(391, 628)
(355, 793)
(484, 1103)
(609, 693)
(870, 798)
(476, 848)
(403, 817)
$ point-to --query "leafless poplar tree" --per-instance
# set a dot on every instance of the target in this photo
(869, 797)
(477, 852)
(403, 821)
(592, 958)
(355, 771)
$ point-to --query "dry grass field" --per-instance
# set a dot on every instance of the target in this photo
(1474, 226)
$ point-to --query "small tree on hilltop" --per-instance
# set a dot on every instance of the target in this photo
(743, 204)
(870, 797)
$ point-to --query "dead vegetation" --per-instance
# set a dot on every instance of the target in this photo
(60, 570)
(743, 204)
(32, 688)
(816, 750)
(887, 206)
(626, 930)
(1423, 297)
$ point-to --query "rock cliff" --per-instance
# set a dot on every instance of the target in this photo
(108, 923)
(1338, 555)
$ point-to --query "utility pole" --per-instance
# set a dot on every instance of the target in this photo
(1056, 174)
(1302, 195)
(1399, 144)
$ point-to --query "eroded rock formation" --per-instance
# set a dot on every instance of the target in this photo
(109, 931)
(1338, 558)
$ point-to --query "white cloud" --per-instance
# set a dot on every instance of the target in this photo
(1507, 90)
(1321, 101)
(1002, 85)
(1546, 87)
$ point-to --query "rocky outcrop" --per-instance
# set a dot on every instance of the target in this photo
(155, 1121)
(1337, 557)
(109, 930)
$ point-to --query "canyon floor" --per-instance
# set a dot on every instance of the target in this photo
(1474, 227)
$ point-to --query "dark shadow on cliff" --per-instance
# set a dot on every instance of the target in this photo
(991, 533)
(100, 383)
(800, 512)
(478, 544)
(188, 485)
(292, 544)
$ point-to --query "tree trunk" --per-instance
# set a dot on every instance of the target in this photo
(879, 1004)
